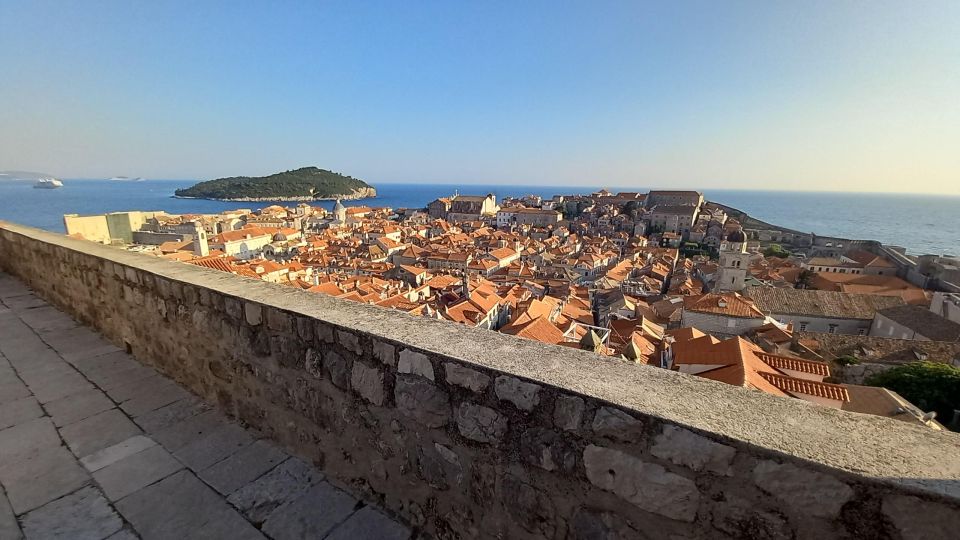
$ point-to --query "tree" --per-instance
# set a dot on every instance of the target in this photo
(805, 279)
(932, 386)
(776, 250)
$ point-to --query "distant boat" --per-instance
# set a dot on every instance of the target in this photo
(128, 179)
(48, 183)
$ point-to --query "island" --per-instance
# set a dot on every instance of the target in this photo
(304, 184)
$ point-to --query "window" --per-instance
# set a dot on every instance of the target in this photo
(803, 326)
(832, 329)
(861, 331)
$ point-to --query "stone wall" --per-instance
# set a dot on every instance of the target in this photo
(473, 434)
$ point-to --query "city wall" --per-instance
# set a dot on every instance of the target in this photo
(470, 433)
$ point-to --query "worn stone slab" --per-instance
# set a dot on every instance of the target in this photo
(179, 434)
(171, 414)
(81, 514)
(369, 522)
(59, 386)
(26, 439)
(9, 528)
(180, 505)
(312, 515)
(243, 467)
(807, 492)
(152, 382)
(47, 319)
(98, 432)
(112, 454)
(76, 407)
(11, 389)
(154, 399)
(136, 471)
(79, 342)
(46, 476)
(124, 534)
(19, 411)
(22, 302)
(214, 446)
(258, 499)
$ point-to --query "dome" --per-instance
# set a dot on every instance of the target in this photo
(737, 236)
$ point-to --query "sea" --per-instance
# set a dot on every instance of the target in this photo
(923, 224)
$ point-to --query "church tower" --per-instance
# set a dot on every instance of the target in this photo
(734, 262)
(339, 212)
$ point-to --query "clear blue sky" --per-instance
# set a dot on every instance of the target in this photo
(776, 95)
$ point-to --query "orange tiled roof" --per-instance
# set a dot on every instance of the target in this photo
(795, 364)
(810, 388)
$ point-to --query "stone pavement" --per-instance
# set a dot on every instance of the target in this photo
(95, 445)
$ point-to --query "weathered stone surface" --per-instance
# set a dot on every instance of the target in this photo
(529, 507)
(243, 467)
(618, 425)
(9, 528)
(415, 363)
(82, 514)
(524, 395)
(312, 515)
(110, 455)
(349, 341)
(323, 332)
(431, 467)
(805, 491)
(284, 483)
(368, 382)
(547, 449)
(313, 363)
(465, 377)
(481, 424)
(592, 524)
(98, 432)
(385, 352)
(253, 313)
(568, 412)
(136, 471)
(47, 475)
(741, 518)
(421, 400)
(684, 447)
(647, 485)
(19, 411)
(917, 519)
(338, 368)
(369, 523)
(78, 406)
(211, 447)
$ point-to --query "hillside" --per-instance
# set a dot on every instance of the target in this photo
(305, 184)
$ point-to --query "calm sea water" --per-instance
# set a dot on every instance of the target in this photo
(921, 223)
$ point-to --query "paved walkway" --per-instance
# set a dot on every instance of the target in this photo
(95, 445)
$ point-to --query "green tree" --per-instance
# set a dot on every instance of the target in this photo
(776, 250)
(805, 279)
(932, 386)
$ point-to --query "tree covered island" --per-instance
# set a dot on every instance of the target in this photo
(304, 184)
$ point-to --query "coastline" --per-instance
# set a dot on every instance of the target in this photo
(277, 199)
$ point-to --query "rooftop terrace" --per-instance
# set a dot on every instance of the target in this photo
(458, 432)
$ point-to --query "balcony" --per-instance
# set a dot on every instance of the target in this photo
(432, 428)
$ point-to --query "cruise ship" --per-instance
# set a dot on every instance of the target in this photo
(48, 183)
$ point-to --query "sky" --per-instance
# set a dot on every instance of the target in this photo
(814, 95)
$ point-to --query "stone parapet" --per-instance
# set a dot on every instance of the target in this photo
(470, 433)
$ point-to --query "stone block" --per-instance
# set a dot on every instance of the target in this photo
(368, 382)
(617, 425)
(568, 412)
(647, 485)
(313, 515)
(415, 363)
(523, 395)
(82, 514)
(98, 432)
(243, 467)
(529, 507)
(421, 400)
(26, 439)
(48, 474)
(805, 491)
(370, 523)
(349, 341)
(917, 519)
(78, 406)
(323, 332)
(213, 446)
(286, 482)
(278, 321)
(19, 411)
(9, 528)
(233, 307)
(465, 377)
(547, 449)
(338, 368)
(686, 448)
(253, 313)
(481, 424)
(385, 352)
(136, 471)
(110, 455)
